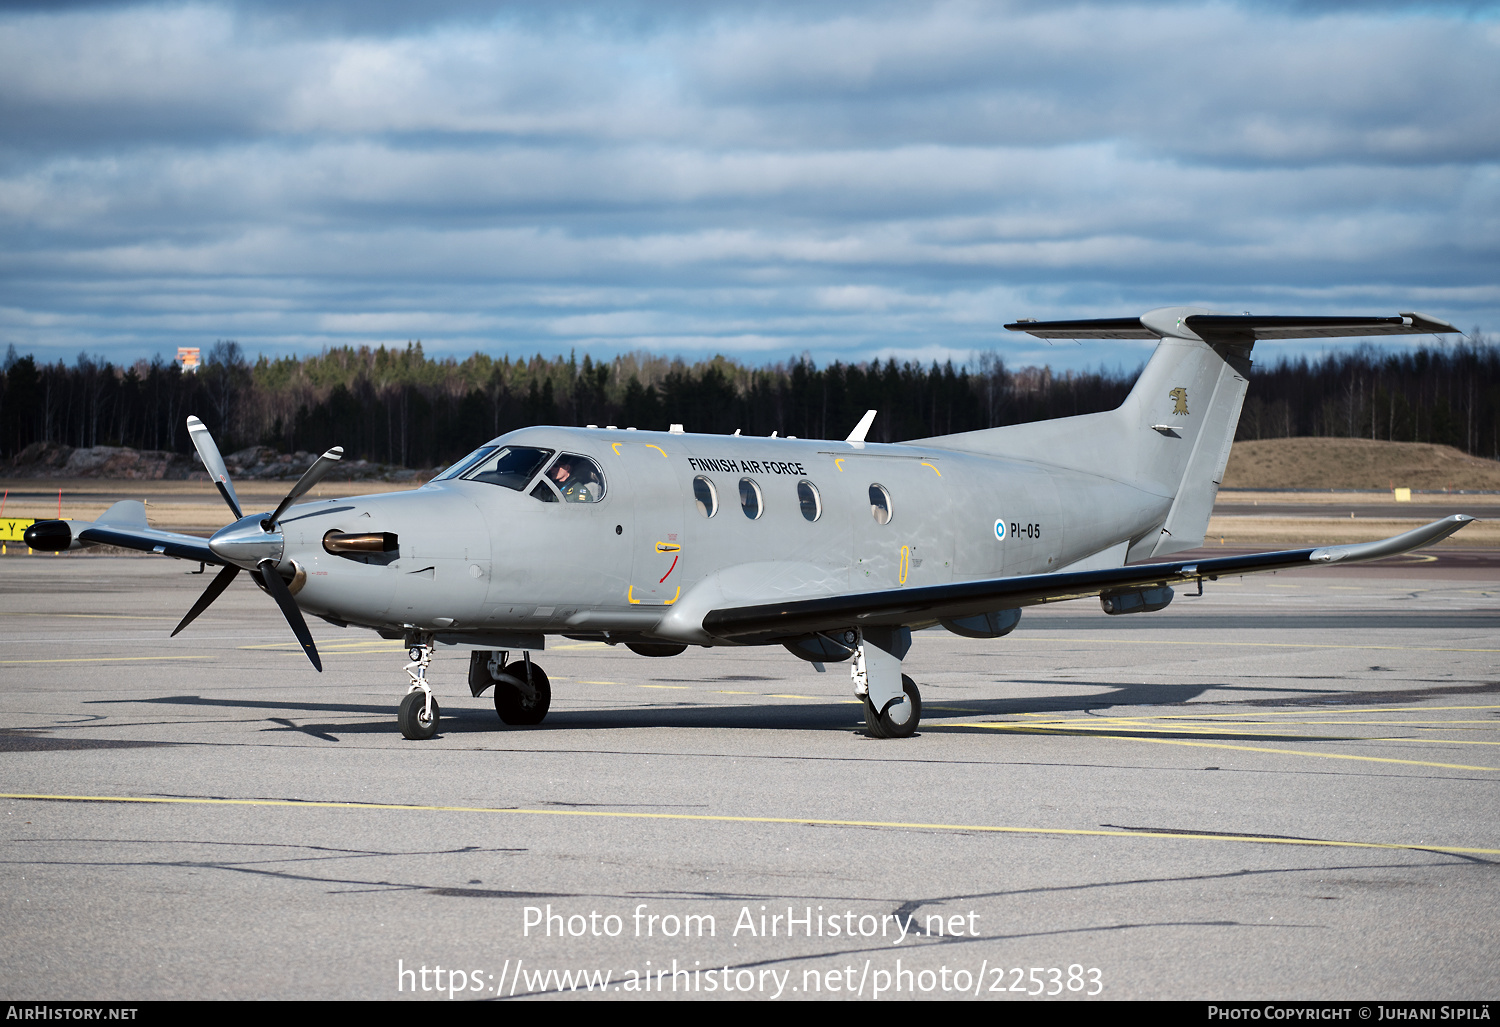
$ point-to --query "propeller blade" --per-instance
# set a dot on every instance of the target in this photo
(215, 588)
(204, 443)
(310, 477)
(289, 610)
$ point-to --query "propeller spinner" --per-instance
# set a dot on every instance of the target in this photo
(254, 543)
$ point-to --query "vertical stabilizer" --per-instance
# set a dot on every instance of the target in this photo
(1171, 436)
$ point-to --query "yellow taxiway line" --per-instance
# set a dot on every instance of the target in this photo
(1037, 729)
(1256, 645)
(713, 818)
(108, 659)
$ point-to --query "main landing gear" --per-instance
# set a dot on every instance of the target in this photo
(893, 704)
(522, 692)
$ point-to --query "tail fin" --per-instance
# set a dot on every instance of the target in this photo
(1171, 436)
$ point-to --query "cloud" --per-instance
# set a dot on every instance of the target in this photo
(759, 178)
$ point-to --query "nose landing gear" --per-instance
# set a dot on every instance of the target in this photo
(418, 714)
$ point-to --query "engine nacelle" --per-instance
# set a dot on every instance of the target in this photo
(1144, 600)
(984, 625)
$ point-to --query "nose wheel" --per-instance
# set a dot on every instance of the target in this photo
(418, 716)
(418, 713)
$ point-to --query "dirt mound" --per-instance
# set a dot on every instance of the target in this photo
(54, 460)
(1355, 464)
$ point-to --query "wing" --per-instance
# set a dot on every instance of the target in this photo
(124, 525)
(1209, 326)
(798, 617)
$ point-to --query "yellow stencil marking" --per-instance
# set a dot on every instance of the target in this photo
(630, 595)
(616, 447)
(905, 564)
(934, 468)
(838, 462)
(663, 452)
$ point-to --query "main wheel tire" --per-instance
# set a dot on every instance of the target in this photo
(901, 718)
(413, 719)
(518, 705)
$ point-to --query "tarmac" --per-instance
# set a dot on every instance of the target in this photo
(1283, 789)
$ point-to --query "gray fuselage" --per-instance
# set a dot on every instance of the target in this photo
(644, 562)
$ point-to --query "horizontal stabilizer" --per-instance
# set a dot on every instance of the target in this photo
(1193, 323)
(907, 606)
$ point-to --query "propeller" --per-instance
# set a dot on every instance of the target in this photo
(215, 588)
(254, 543)
(204, 443)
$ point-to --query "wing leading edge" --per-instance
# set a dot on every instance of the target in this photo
(795, 618)
(123, 525)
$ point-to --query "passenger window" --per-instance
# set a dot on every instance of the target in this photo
(511, 466)
(577, 478)
(812, 503)
(706, 496)
(750, 500)
(880, 504)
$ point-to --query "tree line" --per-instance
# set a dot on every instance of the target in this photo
(398, 406)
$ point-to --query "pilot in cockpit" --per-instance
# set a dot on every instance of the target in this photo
(572, 478)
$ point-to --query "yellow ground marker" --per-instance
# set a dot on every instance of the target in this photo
(712, 818)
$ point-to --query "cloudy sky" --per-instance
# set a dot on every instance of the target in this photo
(756, 179)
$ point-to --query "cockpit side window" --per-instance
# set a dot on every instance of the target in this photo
(457, 469)
(511, 466)
(577, 478)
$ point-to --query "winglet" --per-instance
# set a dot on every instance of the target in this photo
(862, 428)
(1404, 543)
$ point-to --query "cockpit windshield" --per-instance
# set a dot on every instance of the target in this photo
(511, 466)
(456, 469)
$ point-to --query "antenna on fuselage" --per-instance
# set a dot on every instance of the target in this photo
(862, 428)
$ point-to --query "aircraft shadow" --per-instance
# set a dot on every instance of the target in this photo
(477, 716)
